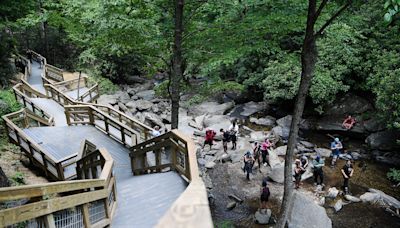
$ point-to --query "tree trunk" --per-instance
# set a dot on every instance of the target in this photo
(308, 60)
(177, 68)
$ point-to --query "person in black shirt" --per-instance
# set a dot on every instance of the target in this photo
(226, 137)
(347, 172)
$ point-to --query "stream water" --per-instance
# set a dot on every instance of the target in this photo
(373, 175)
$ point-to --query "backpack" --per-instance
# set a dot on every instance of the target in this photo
(265, 192)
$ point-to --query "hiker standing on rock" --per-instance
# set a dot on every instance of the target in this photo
(257, 154)
(298, 171)
(264, 151)
(248, 164)
(264, 195)
(225, 139)
(347, 172)
(318, 163)
(209, 139)
(234, 130)
(336, 146)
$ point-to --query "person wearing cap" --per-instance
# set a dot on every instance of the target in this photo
(336, 146)
(264, 195)
(156, 131)
(248, 164)
(318, 172)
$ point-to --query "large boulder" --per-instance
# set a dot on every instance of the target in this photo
(252, 107)
(106, 99)
(154, 119)
(349, 104)
(212, 108)
(281, 132)
(334, 123)
(267, 121)
(277, 173)
(369, 197)
(305, 213)
(384, 140)
(274, 159)
(323, 152)
(140, 105)
(123, 96)
(281, 151)
(216, 122)
(262, 216)
(374, 125)
(257, 136)
(388, 200)
(146, 95)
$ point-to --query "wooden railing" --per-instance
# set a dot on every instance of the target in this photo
(142, 130)
(23, 92)
(176, 151)
(90, 96)
(79, 203)
(14, 123)
(54, 73)
(88, 114)
(28, 66)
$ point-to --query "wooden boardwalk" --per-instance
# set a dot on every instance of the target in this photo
(142, 200)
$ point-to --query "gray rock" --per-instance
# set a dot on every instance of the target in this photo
(143, 105)
(146, 95)
(235, 197)
(200, 121)
(210, 165)
(257, 136)
(384, 140)
(388, 200)
(321, 201)
(155, 109)
(280, 151)
(216, 122)
(201, 162)
(226, 157)
(262, 216)
(307, 144)
(370, 197)
(281, 132)
(338, 205)
(352, 198)
(391, 158)
(123, 97)
(323, 152)
(334, 123)
(154, 119)
(274, 159)
(231, 205)
(349, 103)
(4, 107)
(207, 181)
(355, 155)
(236, 157)
(267, 121)
(332, 192)
(122, 107)
(374, 125)
(212, 108)
(305, 213)
(106, 99)
(302, 149)
(285, 122)
(277, 173)
(139, 116)
(252, 107)
(133, 79)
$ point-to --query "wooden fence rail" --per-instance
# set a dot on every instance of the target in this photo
(65, 200)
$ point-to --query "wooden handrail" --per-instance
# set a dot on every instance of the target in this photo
(69, 194)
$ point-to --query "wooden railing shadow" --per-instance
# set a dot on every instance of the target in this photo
(88, 202)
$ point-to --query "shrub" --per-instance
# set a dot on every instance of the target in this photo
(394, 175)
(105, 85)
(18, 179)
(8, 103)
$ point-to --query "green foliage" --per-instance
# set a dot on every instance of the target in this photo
(106, 86)
(224, 224)
(392, 9)
(17, 179)
(394, 175)
(161, 89)
(10, 104)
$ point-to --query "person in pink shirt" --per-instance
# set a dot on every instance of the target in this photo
(265, 146)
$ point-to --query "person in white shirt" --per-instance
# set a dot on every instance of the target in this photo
(234, 130)
(156, 131)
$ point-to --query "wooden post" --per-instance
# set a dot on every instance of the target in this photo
(86, 218)
(60, 171)
(91, 117)
(44, 163)
(49, 221)
(158, 160)
(123, 135)
(173, 158)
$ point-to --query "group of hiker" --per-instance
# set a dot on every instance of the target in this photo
(259, 155)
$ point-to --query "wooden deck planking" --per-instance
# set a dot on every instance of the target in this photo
(35, 79)
(53, 109)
